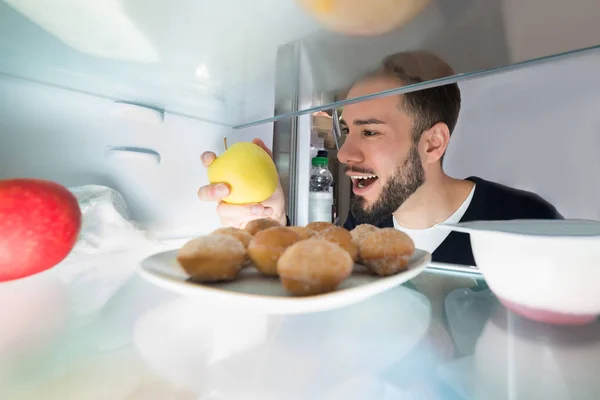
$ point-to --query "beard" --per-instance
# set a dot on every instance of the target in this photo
(405, 181)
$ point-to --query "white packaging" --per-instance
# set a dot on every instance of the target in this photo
(320, 206)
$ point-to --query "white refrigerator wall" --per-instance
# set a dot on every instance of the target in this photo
(537, 129)
(62, 135)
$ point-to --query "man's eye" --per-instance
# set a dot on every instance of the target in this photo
(345, 130)
(369, 133)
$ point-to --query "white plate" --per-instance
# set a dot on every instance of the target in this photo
(261, 293)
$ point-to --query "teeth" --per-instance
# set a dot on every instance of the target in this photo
(362, 180)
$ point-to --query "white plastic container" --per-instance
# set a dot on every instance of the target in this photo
(320, 200)
(545, 270)
(320, 206)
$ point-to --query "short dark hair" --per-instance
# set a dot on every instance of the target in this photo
(428, 106)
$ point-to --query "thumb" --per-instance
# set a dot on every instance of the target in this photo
(263, 146)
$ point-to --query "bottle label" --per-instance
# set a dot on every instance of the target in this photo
(320, 207)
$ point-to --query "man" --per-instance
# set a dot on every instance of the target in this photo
(393, 153)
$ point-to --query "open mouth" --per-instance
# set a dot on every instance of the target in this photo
(361, 183)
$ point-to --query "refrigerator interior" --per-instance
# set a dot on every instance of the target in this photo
(128, 93)
(535, 129)
(133, 107)
(77, 80)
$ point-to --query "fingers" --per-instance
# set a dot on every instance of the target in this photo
(243, 212)
(213, 192)
(208, 157)
(262, 144)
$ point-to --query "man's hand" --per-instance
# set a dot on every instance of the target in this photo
(238, 215)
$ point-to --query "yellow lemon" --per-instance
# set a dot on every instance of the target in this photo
(248, 170)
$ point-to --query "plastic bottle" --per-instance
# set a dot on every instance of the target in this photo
(320, 195)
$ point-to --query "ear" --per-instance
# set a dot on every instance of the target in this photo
(434, 142)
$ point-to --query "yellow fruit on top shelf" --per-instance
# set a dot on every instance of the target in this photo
(361, 17)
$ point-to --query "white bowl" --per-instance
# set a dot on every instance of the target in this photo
(520, 359)
(546, 270)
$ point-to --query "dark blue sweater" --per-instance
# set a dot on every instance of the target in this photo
(491, 201)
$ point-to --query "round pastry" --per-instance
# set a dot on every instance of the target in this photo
(342, 238)
(386, 251)
(268, 245)
(360, 231)
(212, 258)
(258, 225)
(319, 226)
(303, 232)
(313, 266)
(240, 234)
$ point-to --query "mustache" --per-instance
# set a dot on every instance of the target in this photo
(359, 170)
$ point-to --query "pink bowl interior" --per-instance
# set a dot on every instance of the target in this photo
(547, 316)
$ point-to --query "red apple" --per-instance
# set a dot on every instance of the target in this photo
(39, 225)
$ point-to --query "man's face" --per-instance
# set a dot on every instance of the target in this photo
(379, 153)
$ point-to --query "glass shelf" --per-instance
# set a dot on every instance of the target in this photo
(427, 85)
(241, 63)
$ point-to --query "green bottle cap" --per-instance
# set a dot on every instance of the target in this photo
(319, 161)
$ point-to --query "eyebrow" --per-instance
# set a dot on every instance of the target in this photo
(370, 121)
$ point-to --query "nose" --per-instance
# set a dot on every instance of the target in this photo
(350, 152)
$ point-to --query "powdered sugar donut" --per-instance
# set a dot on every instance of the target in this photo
(212, 258)
(303, 232)
(360, 231)
(319, 226)
(257, 225)
(268, 245)
(342, 238)
(386, 251)
(243, 236)
(313, 266)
